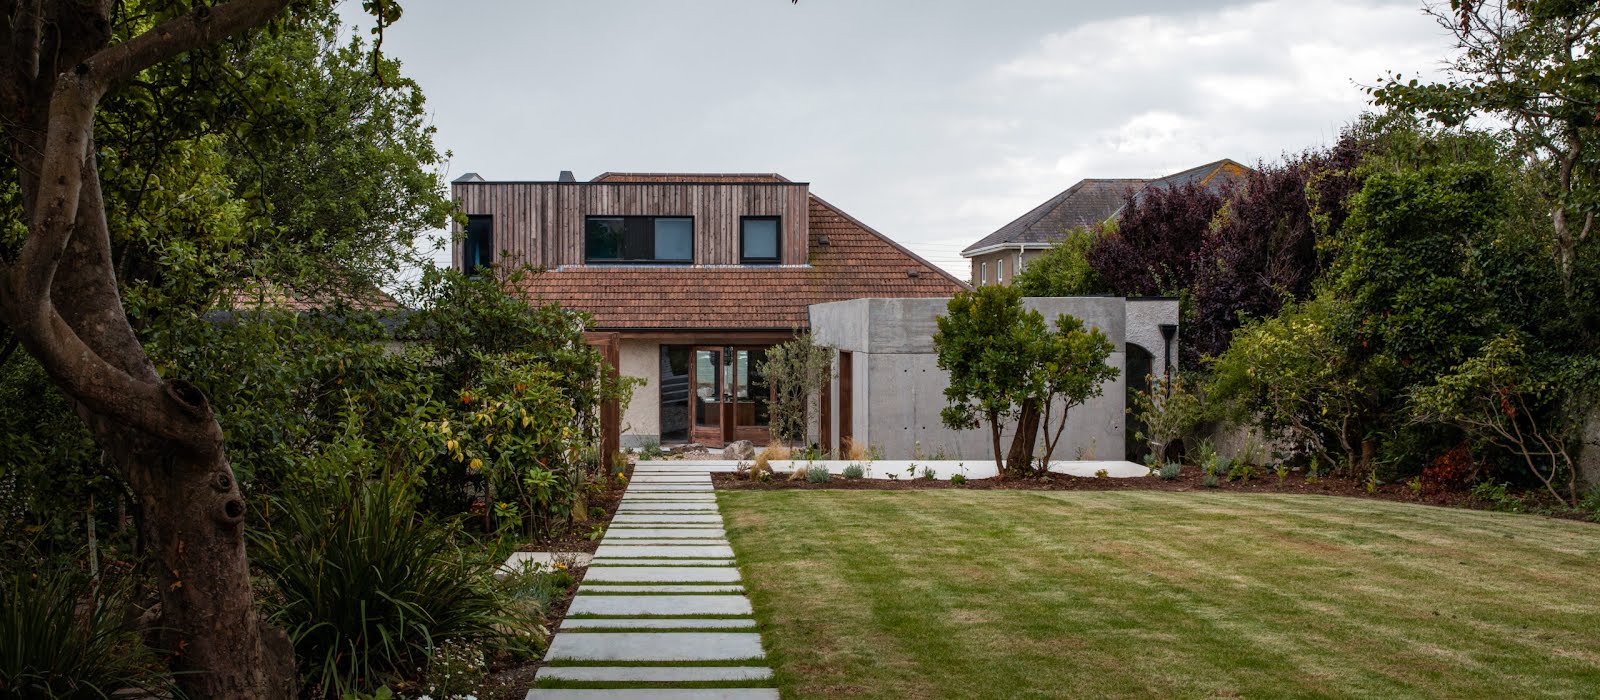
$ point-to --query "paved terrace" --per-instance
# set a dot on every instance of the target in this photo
(661, 613)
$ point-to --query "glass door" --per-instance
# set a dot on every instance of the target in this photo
(707, 396)
(729, 397)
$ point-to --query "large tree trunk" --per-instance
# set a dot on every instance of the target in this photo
(60, 299)
(1019, 460)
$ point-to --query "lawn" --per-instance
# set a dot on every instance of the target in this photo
(964, 594)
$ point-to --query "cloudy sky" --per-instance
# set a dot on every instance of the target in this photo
(934, 121)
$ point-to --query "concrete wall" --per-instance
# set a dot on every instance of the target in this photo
(1144, 319)
(641, 423)
(899, 389)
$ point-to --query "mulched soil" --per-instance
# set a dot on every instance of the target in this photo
(1191, 479)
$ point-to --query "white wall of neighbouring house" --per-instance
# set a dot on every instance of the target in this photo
(641, 422)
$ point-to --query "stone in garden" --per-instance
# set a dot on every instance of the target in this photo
(665, 605)
(654, 674)
(661, 574)
(655, 646)
(739, 449)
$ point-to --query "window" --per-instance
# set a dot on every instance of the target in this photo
(758, 240)
(983, 273)
(1000, 271)
(477, 250)
(639, 239)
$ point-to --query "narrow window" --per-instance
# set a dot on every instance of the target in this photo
(1000, 271)
(983, 273)
(758, 240)
(638, 239)
(477, 251)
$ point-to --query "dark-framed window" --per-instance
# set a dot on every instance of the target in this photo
(760, 240)
(477, 251)
(638, 239)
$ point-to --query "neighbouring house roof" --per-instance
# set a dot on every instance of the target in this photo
(1092, 201)
(848, 260)
(689, 177)
(261, 293)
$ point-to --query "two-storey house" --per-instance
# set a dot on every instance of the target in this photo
(692, 276)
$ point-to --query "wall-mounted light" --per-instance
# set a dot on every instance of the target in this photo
(1168, 332)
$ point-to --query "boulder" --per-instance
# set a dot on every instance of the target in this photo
(739, 449)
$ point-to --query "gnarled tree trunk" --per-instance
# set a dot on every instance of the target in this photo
(59, 297)
(1019, 459)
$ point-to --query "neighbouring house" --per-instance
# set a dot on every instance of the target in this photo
(1000, 256)
(690, 278)
(888, 389)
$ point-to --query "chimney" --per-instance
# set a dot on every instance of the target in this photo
(566, 176)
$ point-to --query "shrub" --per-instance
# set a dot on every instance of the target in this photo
(1497, 496)
(958, 479)
(63, 638)
(854, 471)
(764, 459)
(1062, 271)
(1211, 481)
(651, 449)
(1171, 471)
(1450, 471)
(367, 587)
(1166, 412)
(817, 474)
(797, 371)
(928, 473)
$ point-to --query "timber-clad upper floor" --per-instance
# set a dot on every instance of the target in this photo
(632, 219)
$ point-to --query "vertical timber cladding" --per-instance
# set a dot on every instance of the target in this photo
(542, 223)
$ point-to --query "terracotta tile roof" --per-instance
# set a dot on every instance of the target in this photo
(272, 295)
(689, 177)
(1095, 200)
(857, 262)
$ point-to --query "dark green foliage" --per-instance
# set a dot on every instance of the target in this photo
(1062, 271)
(62, 637)
(366, 586)
(797, 371)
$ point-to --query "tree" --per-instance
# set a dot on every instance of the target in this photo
(59, 296)
(1533, 65)
(1072, 369)
(1152, 247)
(1005, 364)
(797, 371)
(1062, 271)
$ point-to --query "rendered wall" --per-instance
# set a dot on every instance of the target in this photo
(898, 389)
(641, 422)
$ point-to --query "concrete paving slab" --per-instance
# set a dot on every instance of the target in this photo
(654, 694)
(669, 497)
(662, 551)
(639, 533)
(667, 518)
(657, 623)
(698, 542)
(655, 674)
(607, 589)
(661, 574)
(631, 506)
(655, 646)
(662, 605)
(662, 562)
(671, 488)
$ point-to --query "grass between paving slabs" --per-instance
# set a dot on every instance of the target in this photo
(959, 594)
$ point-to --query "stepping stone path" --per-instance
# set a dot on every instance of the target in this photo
(662, 612)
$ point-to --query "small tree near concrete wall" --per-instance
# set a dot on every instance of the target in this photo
(797, 371)
(1005, 363)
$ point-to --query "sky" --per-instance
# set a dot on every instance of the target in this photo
(934, 121)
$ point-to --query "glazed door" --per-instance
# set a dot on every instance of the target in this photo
(729, 398)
